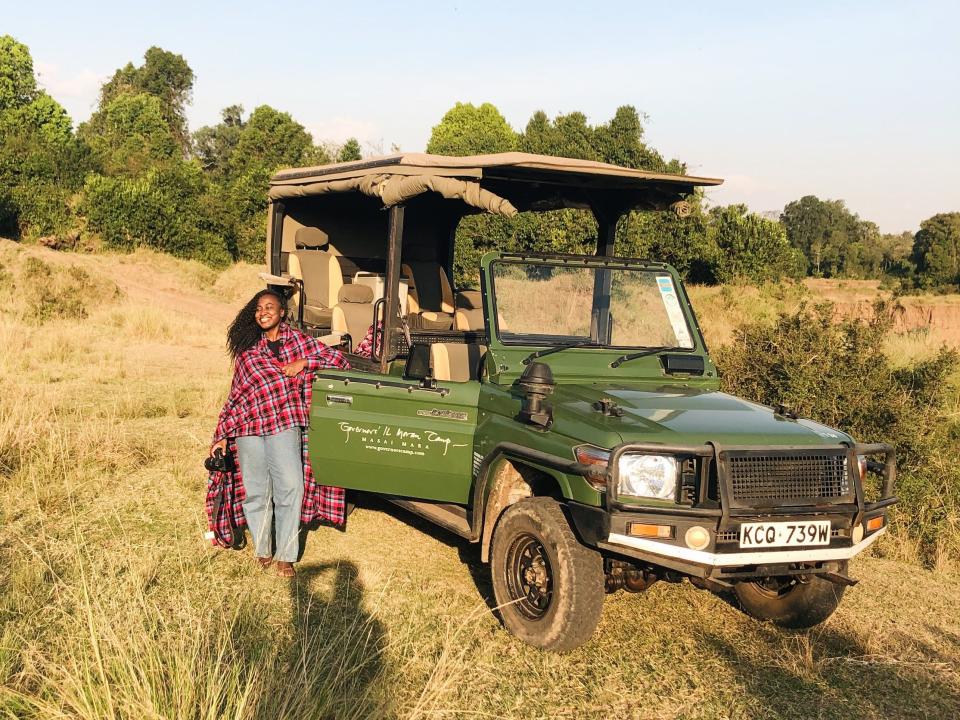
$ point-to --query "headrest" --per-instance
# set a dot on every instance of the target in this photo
(311, 237)
(355, 294)
(470, 300)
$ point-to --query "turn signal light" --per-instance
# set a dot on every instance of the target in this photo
(875, 523)
(589, 455)
(597, 457)
(649, 530)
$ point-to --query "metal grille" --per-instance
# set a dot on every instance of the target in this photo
(781, 477)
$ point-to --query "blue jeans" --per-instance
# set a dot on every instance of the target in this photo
(272, 469)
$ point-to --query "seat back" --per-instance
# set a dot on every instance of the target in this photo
(320, 272)
(456, 362)
(469, 314)
(429, 287)
(353, 312)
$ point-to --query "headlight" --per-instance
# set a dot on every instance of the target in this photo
(649, 476)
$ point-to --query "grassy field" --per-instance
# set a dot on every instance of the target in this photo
(113, 606)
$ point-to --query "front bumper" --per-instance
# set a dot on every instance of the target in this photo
(722, 516)
(739, 559)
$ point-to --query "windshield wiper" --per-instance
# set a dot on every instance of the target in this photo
(642, 353)
(557, 348)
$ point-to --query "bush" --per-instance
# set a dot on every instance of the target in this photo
(751, 247)
(837, 374)
(167, 208)
(42, 208)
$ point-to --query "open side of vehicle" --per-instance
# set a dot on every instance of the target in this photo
(565, 415)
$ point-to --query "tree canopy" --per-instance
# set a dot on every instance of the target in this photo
(466, 129)
(936, 250)
(164, 75)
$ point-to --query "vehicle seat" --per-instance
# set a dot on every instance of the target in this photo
(430, 297)
(456, 362)
(469, 313)
(321, 275)
(353, 313)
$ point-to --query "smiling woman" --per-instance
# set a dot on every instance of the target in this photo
(261, 426)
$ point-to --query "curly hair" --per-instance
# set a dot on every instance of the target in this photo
(244, 331)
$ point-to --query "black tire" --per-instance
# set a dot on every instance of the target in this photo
(534, 549)
(790, 602)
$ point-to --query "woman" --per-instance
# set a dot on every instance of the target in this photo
(264, 418)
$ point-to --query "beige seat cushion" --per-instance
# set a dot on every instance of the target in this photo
(320, 272)
(469, 314)
(353, 312)
(429, 287)
(455, 362)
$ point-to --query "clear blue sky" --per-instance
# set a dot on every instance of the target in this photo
(851, 100)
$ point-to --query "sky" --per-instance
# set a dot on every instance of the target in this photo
(858, 101)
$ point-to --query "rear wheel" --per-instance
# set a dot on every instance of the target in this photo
(549, 587)
(794, 602)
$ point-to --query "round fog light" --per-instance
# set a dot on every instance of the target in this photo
(856, 534)
(696, 538)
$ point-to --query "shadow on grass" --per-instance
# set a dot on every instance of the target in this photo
(829, 673)
(468, 552)
(333, 663)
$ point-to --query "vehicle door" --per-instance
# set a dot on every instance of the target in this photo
(390, 435)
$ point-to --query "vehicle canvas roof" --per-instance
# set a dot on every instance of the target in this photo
(501, 183)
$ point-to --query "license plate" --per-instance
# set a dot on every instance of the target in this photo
(785, 534)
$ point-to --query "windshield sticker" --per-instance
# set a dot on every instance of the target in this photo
(674, 313)
(392, 439)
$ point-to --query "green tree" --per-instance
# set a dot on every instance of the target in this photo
(129, 135)
(466, 129)
(823, 230)
(164, 75)
(41, 164)
(751, 247)
(665, 237)
(18, 84)
(936, 250)
(349, 151)
(566, 136)
(618, 142)
(269, 140)
(214, 145)
(895, 250)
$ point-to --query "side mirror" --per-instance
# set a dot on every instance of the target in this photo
(418, 365)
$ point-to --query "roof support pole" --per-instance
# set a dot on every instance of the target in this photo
(392, 290)
(600, 315)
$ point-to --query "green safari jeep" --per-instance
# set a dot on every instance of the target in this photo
(566, 415)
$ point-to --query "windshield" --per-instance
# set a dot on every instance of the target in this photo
(545, 304)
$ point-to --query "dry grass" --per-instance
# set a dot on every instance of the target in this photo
(112, 605)
(924, 323)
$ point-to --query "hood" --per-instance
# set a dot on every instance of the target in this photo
(678, 415)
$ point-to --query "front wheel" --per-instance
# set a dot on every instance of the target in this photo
(790, 602)
(548, 587)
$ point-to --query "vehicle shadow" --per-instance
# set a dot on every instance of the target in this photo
(469, 553)
(332, 662)
(828, 672)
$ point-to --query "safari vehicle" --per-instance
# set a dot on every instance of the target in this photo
(566, 415)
